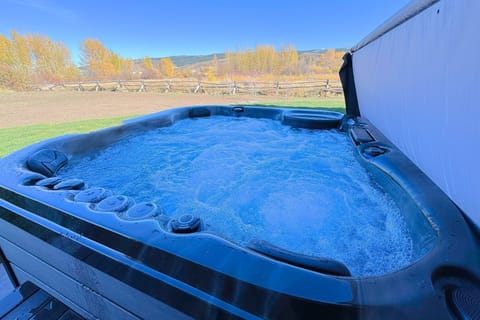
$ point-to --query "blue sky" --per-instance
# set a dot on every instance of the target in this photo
(139, 28)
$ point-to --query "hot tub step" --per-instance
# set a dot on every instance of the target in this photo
(30, 302)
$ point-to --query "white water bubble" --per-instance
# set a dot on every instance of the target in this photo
(302, 190)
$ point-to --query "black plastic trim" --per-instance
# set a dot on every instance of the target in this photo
(8, 269)
(175, 297)
(190, 273)
(317, 264)
(348, 84)
(361, 135)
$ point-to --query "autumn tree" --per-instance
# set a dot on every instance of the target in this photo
(148, 71)
(51, 60)
(166, 67)
(7, 62)
(263, 60)
(147, 63)
(15, 63)
(96, 58)
(126, 67)
(122, 68)
(30, 59)
(21, 51)
(212, 71)
(288, 60)
(327, 63)
(101, 62)
(228, 65)
(266, 59)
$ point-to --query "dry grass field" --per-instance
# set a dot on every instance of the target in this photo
(28, 108)
(29, 117)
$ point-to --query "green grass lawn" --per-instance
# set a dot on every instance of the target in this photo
(18, 137)
(332, 104)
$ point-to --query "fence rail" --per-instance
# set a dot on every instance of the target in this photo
(294, 88)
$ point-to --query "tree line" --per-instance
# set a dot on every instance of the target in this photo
(100, 63)
(266, 63)
(32, 59)
(27, 59)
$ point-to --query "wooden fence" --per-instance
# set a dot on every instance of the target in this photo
(296, 88)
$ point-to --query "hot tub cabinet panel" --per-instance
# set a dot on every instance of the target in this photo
(115, 266)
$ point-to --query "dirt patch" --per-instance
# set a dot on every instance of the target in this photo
(21, 109)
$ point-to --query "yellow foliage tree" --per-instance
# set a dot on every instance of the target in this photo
(6, 54)
(30, 59)
(166, 67)
(288, 59)
(147, 63)
(16, 69)
(7, 62)
(148, 71)
(126, 68)
(101, 63)
(22, 53)
(263, 60)
(51, 60)
(210, 74)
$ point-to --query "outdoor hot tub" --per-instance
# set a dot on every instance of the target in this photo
(235, 212)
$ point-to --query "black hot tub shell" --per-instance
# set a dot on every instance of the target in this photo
(111, 267)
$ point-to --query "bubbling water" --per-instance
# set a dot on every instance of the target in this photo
(302, 190)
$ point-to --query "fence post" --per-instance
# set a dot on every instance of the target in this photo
(197, 88)
(277, 88)
(327, 87)
(169, 86)
(142, 87)
(235, 88)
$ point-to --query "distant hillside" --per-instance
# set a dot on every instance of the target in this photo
(181, 61)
